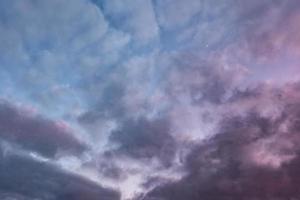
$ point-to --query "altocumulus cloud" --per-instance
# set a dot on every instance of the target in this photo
(149, 99)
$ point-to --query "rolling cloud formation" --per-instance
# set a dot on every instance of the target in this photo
(149, 99)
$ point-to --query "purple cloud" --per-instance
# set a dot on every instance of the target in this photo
(155, 99)
(37, 134)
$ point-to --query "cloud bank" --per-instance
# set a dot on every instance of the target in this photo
(144, 100)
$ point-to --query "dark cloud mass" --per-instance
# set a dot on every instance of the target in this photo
(145, 139)
(24, 178)
(253, 157)
(35, 133)
(149, 100)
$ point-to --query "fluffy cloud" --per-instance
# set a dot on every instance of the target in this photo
(254, 156)
(46, 52)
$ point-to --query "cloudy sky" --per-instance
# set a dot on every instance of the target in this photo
(149, 99)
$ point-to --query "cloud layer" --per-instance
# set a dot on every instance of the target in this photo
(160, 99)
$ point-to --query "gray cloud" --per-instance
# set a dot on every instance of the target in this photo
(36, 133)
(24, 178)
(255, 156)
(145, 139)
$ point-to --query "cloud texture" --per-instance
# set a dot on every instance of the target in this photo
(149, 99)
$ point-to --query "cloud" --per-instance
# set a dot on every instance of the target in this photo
(145, 139)
(156, 99)
(141, 20)
(49, 51)
(34, 132)
(176, 13)
(253, 156)
(42, 180)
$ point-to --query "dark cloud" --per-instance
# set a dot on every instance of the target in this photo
(108, 104)
(144, 139)
(253, 157)
(23, 178)
(36, 133)
(111, 170)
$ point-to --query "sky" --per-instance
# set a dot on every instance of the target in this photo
(149, 99)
